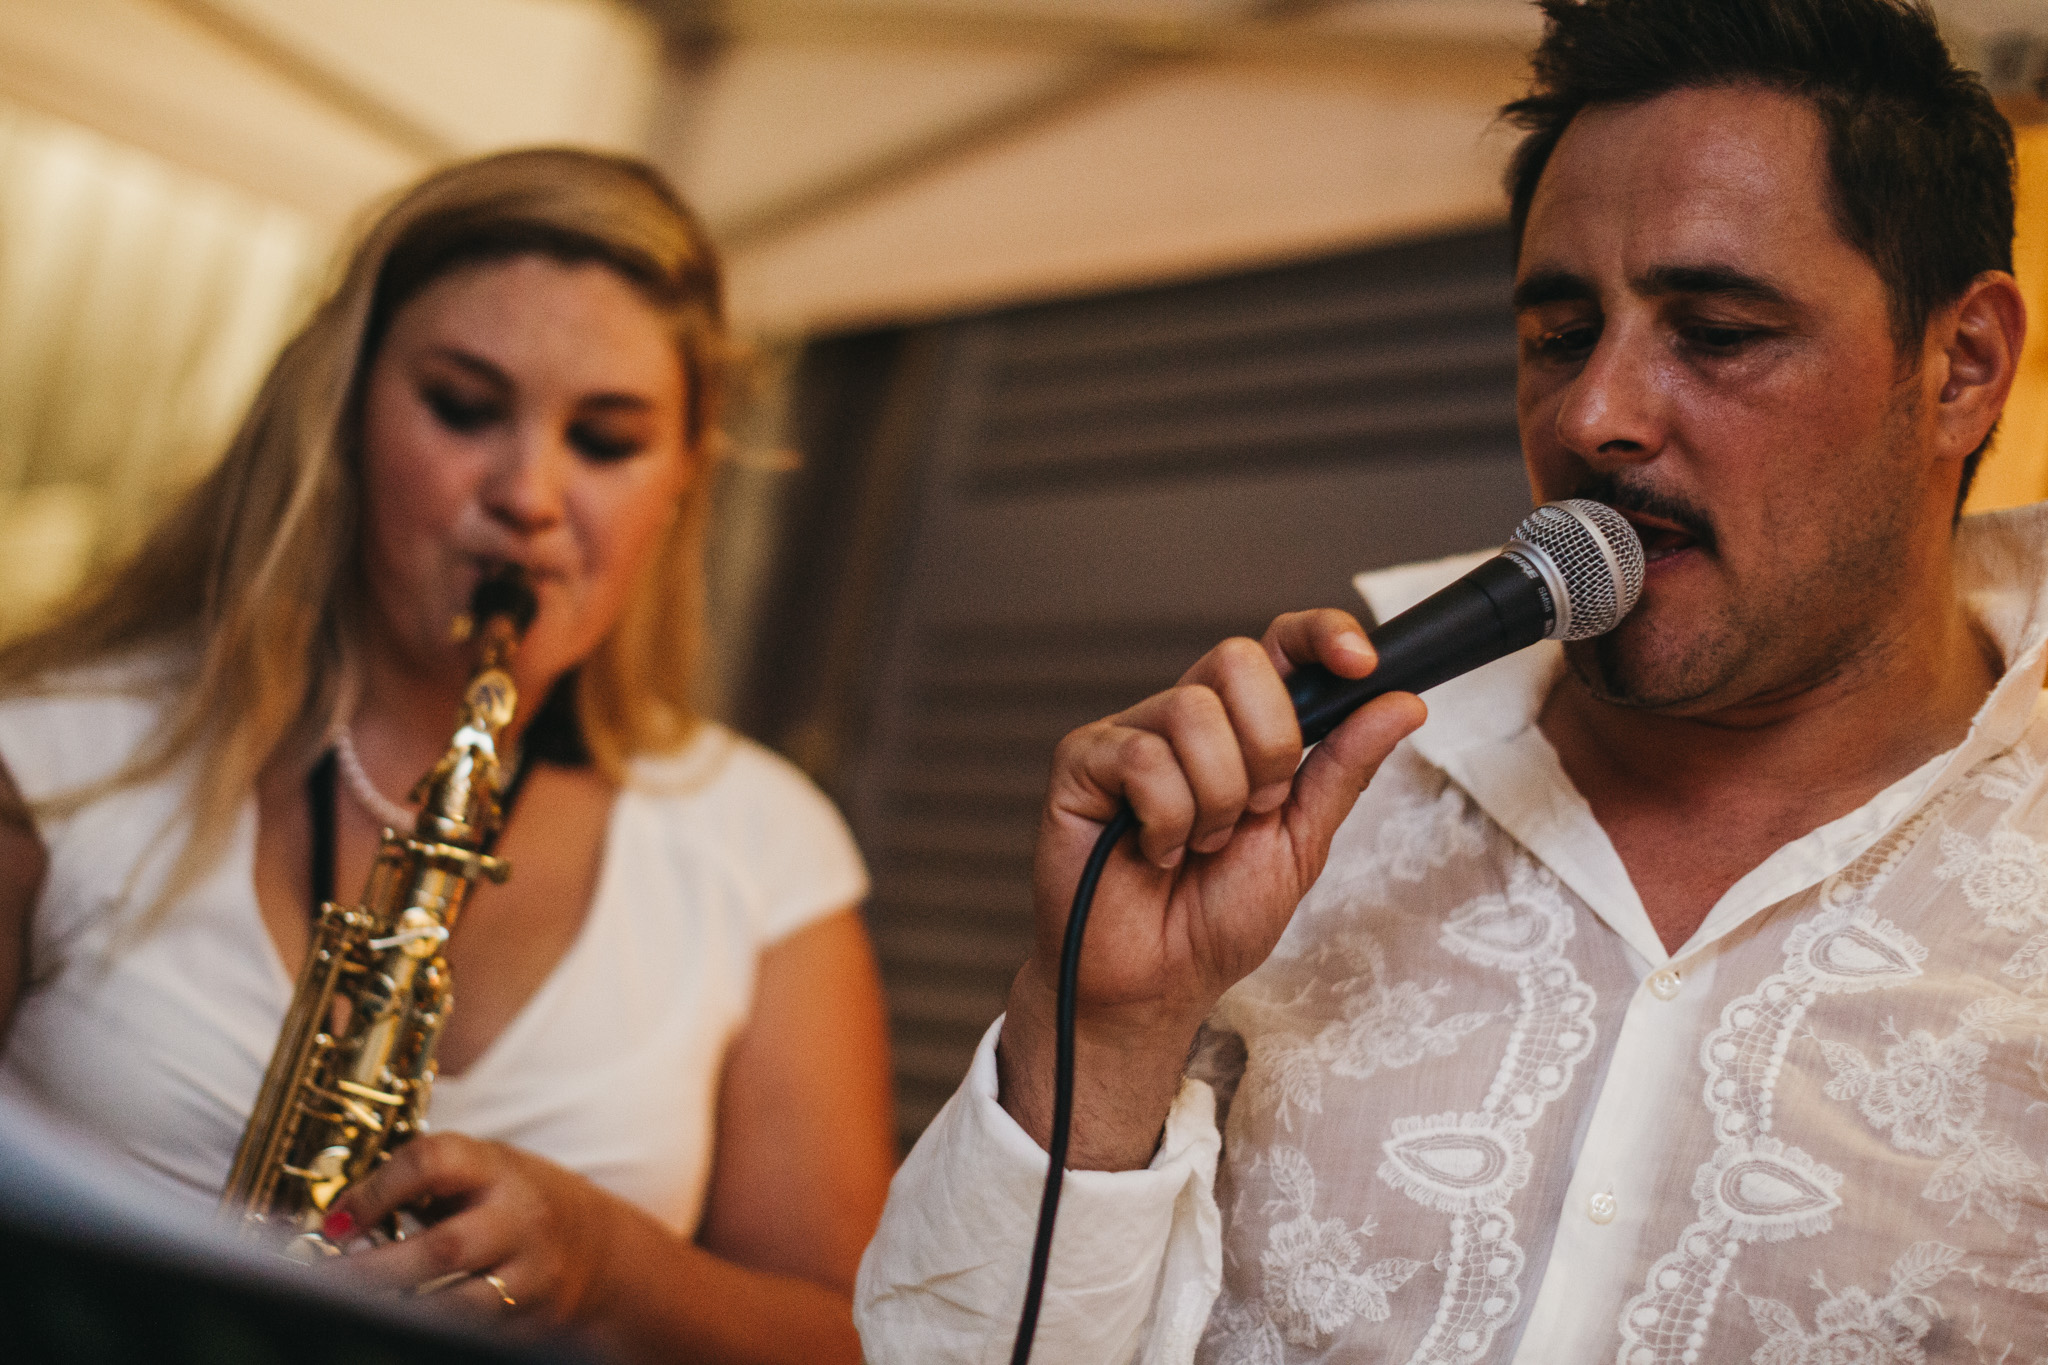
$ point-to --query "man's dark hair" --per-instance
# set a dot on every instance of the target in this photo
(1922, 161)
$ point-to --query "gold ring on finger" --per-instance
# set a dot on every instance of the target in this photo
(503, 1293)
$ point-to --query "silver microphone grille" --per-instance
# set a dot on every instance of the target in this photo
(1591, 559)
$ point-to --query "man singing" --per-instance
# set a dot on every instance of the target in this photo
(1676, 996)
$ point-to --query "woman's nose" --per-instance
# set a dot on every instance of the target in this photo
(1614, 410)
(525, 487)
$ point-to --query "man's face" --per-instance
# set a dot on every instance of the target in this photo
(1702, 349)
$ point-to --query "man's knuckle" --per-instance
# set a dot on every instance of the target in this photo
(1143, 753)
(1240, 652)
(1195, 705)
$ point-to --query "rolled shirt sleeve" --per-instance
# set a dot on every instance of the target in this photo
(1136, 1259)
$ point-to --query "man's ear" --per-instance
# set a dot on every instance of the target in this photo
(1975, 344)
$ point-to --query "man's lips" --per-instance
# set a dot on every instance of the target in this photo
(1661, 539)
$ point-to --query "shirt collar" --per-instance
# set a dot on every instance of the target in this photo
(1482, 733)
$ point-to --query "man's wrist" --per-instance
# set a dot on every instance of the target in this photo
(1128, 1068)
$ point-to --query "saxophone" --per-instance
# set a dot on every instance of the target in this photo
(354, 1064)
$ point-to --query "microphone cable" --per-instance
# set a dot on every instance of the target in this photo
(1123, 822)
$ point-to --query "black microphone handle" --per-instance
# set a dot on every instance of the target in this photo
(1491, 612)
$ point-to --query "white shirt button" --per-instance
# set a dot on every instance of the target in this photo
(1601, 1207)
(1664, 985)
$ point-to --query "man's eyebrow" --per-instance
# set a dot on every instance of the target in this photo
(1719, 280)
(1552, 286)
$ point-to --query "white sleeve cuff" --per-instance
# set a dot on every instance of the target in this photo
(1136, 1258)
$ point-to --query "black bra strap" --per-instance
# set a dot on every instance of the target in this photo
(320, 807)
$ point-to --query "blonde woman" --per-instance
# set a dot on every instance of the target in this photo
(663, 1114)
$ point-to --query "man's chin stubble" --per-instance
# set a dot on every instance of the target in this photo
(1604, 669)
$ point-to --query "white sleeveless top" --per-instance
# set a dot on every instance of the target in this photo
(157, 1041)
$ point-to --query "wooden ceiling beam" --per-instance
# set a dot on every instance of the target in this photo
(319, 82)
(1275, 35)
(1105, 55)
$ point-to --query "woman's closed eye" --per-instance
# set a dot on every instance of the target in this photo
(462, 412)
(605, 442)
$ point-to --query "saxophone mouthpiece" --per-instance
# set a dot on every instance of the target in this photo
(500, 610)
(508, 593)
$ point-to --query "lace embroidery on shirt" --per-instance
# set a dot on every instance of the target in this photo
(2004, 878)
(1469, 1165)
(1930, 1095)
(2009, 776)
(1413, 839)
(2031, 1276)
(1854, 1327)
(1420, 837)
(1380, 1025)
(1312, 1288)
(1756, 1188)
(1245, 1336)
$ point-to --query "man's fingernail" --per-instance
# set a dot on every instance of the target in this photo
(337, 1226)
(1173, 857)
(1270, 798)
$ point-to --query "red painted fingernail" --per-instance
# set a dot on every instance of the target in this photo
(337, 1226)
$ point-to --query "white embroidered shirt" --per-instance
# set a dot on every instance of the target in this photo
(1472, 1111)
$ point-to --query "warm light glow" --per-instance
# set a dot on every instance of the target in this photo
(139, 307)
(2015, 469)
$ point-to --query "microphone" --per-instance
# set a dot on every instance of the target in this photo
(1572, 570)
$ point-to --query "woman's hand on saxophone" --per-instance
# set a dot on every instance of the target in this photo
(766, 1274)
(540, 1232)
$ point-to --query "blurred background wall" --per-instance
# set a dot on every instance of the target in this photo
(1086, 331)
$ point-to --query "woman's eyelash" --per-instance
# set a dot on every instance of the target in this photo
(596, 445)
(458, 413)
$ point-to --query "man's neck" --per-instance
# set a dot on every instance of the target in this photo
(1693, 802)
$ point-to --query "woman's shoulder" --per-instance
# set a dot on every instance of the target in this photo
(719, 770)
(72, 728)
(723, 797)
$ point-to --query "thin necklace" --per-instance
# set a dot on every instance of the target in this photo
(373, 802)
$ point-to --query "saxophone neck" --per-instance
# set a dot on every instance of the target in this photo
(459, 798)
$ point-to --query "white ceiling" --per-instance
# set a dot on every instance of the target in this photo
(867, 160)
(862, 160)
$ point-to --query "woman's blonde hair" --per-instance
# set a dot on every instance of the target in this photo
(252, 584)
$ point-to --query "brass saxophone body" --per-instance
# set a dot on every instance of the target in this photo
(353, 1069)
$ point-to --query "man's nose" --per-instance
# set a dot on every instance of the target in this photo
(1614, 411)
(525, 487)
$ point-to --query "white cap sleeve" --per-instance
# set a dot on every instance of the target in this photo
(769, 822)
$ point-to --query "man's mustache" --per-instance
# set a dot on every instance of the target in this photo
(1648, 502)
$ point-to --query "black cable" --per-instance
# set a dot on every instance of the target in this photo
(320, 807)
(1122, 823)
